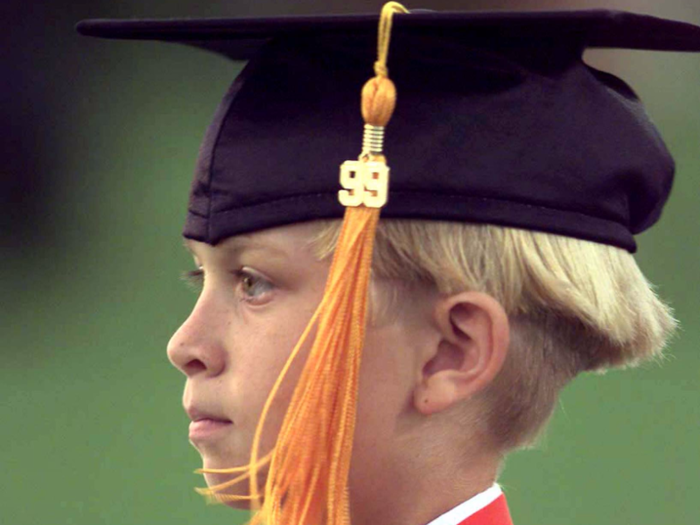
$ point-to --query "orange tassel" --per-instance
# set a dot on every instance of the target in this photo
(307, 479)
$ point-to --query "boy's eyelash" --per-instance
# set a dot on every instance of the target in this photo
(193, 278)
(196, 277)
(194, 274)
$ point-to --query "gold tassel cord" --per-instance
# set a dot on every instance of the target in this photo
(308, 469)
(385, 22)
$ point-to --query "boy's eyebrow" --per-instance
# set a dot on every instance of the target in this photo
(238, 244)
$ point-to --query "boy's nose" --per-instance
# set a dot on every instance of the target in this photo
(198, 346)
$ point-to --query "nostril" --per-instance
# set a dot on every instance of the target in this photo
(194, 366)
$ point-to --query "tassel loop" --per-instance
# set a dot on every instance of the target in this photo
(386, 20)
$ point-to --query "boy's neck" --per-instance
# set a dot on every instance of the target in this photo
(415, 494)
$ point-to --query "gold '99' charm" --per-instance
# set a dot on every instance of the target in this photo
(364, 183)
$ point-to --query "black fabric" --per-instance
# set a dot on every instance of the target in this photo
(240, 38)
(498, 121)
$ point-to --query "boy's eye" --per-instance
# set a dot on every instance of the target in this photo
(253, 286)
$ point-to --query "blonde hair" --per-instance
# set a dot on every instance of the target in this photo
(574, 306)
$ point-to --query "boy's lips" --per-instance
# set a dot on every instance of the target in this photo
(196, 414)
(202, 429)
(204, 424)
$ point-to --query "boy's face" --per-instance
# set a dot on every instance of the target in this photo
(258, 294)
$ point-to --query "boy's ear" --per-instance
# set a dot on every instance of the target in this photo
(473, 343)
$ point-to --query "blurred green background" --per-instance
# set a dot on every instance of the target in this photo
(99, 141)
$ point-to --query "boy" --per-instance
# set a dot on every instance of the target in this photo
(501, 268)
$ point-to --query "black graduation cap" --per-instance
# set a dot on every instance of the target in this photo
(498, 120)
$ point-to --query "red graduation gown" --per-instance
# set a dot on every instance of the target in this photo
(486, 508)
(495, 513)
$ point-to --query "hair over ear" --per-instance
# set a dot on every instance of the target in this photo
(573, 305)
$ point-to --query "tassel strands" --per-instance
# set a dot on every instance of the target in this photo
(307, 480)
(308, 469)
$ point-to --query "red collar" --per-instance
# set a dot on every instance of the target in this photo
(495, 513)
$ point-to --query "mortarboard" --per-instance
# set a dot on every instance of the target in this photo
(498, 121)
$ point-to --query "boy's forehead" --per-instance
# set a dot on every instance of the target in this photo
(230, 245)
(498, 120)
(282, 241)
